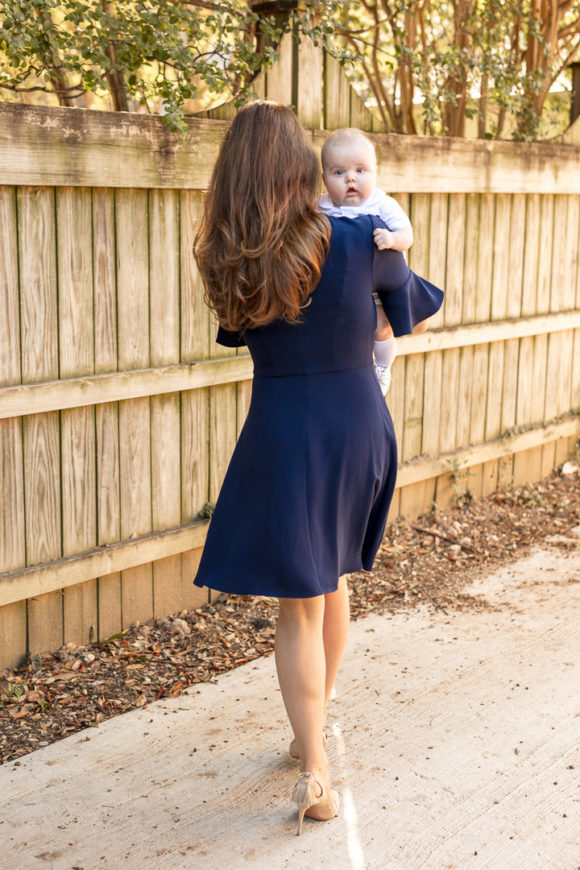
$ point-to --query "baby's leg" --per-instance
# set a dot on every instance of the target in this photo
(383, 330)
(385, 341)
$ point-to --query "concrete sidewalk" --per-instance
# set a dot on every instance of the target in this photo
(453, 741)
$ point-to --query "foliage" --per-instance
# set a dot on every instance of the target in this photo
(483, 59)
(429, 65)
(153, 53)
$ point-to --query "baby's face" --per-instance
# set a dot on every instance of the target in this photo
(350, 172)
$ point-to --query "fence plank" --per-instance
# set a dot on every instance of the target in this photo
(471, 276)
(164, 270)
(76, 352)
(131, 211)
(9, 297)
(510, 384)
(279, 76)
(79, 529)
(545, 254)
(134, 415)
(309, 84)
(195, 338)
(485, 244)
(499, 293)
(106, 415)
(494, 391)
(515, 254)
(563, 385)
(38, 294)
(438, 249)
(501, 235)
(337, 95)
(576, 371)
(453, 282)
(75, 281)
(109, 514)
(560, 268)
(531, 250)
(12, 539)
(527, 466)
(38, 284)
(479, 393)
(135, 480)
(483, 312)
(420, 215)
(450, 407)
(43, 524)
(13, 635)
(104, 280)
(466, 390)
(539, 385)
(432, 400)
(413, 415)
(526, 385)
(362, 118)
(570, 252)
(12, 523)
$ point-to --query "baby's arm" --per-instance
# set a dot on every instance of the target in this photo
(397, 240)
(399, 235)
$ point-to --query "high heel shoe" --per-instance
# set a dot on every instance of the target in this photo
(324, 805)
(293, 752)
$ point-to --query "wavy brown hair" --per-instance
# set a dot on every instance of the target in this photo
(261, 243)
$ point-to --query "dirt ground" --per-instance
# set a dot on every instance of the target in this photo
(428, 562)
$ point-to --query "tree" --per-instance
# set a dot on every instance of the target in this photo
(155, 53)
(460, 57)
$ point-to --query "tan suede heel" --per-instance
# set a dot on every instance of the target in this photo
(324, 805)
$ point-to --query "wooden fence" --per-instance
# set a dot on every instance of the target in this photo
(118, 412)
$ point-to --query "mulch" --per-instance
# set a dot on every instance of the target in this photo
(429, 561)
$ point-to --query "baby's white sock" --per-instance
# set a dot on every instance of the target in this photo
(386, 351)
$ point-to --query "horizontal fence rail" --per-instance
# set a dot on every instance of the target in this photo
(119, 386)
(76, 148)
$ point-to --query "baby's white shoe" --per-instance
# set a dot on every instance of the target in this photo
(383, 374)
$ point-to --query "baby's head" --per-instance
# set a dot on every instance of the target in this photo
(349, 167)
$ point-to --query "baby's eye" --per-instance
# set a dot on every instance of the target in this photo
(360, 170)
(339, 172)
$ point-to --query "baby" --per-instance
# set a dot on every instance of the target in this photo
(349, 171)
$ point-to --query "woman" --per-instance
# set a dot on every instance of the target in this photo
(307, 492)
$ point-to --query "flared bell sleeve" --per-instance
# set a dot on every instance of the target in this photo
(407, 298)
(229, 338)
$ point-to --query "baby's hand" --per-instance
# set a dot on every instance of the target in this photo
(384, 238)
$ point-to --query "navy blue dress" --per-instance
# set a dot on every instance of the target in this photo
(307, 492)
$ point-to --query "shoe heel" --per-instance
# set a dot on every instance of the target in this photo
(301, 811)
(302, 797)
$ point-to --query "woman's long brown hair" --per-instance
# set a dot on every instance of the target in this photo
(261, 243)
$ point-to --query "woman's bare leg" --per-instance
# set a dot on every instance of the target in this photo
(335, 633)
(301, 666)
